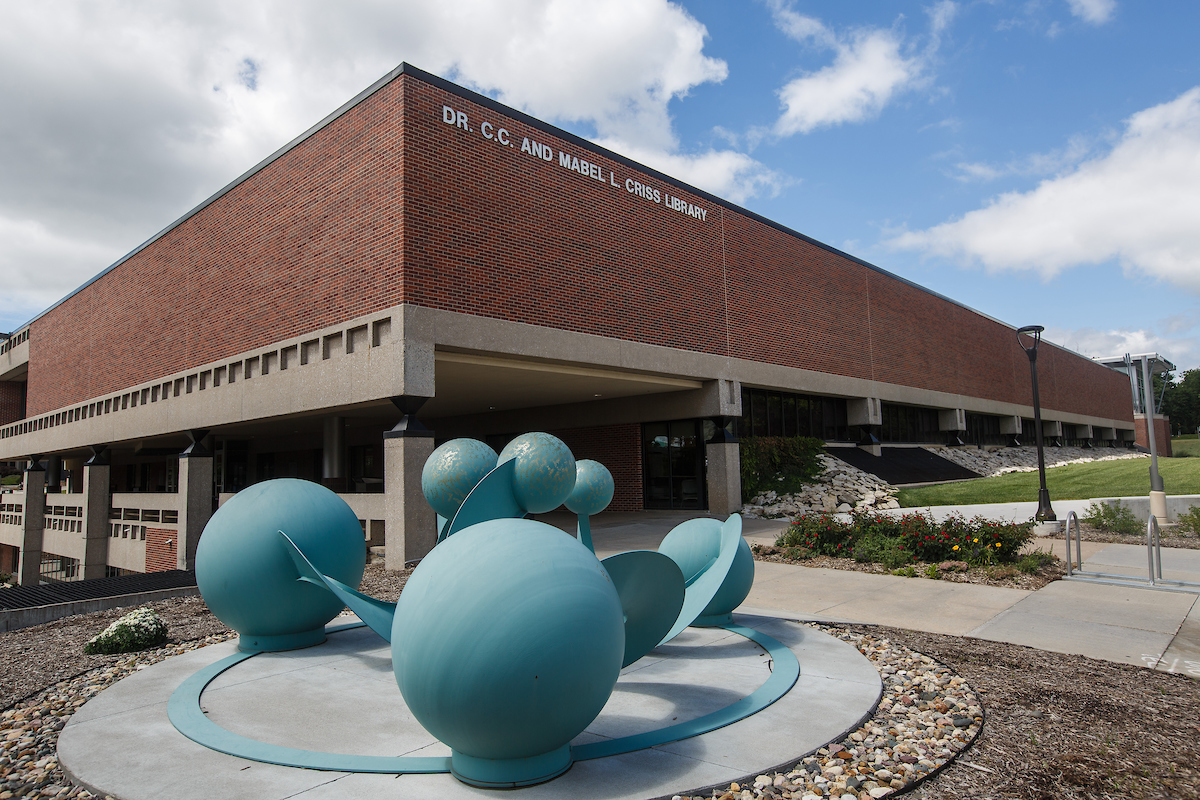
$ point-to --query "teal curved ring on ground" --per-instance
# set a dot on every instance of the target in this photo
(650, 586)
(183, 709)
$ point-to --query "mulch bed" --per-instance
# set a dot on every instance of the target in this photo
(1003, 575)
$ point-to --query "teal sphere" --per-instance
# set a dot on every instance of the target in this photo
(452, 471)
(545, 471)
(693, 545)
(247, 578)
(508, 639)
(593, 488)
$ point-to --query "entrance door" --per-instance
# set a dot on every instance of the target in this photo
(673, 458)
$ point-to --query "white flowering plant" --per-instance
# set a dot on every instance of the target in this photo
(137, 630)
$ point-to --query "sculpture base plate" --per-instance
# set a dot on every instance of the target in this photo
(510, 773)
(284, 642)
(341, 697)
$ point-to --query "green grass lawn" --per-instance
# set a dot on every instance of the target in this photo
(1187, 446)
(1127, 478)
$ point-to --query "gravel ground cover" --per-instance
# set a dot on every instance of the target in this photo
(1168, 537)
(1055, 726)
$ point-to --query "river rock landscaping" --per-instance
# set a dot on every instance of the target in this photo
(841, 488)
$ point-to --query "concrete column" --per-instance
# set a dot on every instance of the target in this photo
(410, 530)
(724, 472)
(195, 490)
(1010, 426)
(867, 414)
(96, 505)
(333, 454)
(53, 474)
(952, 422)
(33, 517)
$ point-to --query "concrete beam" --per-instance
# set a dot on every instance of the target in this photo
(952, 419)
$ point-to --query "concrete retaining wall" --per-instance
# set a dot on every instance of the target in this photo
(17, 618)
(1140, 506)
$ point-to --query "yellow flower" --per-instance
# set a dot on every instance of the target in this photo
(955, 547)
(976, 541)
(997, 545)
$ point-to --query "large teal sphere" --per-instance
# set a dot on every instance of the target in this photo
(247, 578)
(593, 490)
(695, 544)
(452, 471)
(545, 471)
(508, 640)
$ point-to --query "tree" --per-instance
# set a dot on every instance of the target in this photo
(1182, 401)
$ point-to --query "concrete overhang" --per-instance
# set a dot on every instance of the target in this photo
(471, 383)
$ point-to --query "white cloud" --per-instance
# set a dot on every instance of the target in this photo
(870, 67)
(1097, 12)
(1036, 164)
(1182, 351)
(120, 116)
(1138, 204)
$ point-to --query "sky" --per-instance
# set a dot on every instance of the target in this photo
(1036, 160)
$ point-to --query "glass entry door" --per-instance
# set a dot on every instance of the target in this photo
(673, 459)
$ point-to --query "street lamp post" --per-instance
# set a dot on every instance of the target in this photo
(1044, 513)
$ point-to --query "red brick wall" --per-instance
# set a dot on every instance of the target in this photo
(10, 402)
(160, 556)
(531, 241)
(8, 559)
(618, 447)
(1162, 434)
(342, 225)
(312, 239)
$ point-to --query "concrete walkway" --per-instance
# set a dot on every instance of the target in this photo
(1126, 625)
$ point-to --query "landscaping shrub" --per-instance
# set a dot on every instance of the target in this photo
(137, 630)
(1114, 518)
(1189, 521)
(899, 541)
(1032, 562)
(781, 464)
(10, 480)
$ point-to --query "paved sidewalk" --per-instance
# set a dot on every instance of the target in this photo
(1127, 625)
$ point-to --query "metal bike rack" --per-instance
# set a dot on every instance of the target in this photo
(1153, 579)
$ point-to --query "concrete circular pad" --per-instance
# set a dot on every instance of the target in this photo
(341, 697)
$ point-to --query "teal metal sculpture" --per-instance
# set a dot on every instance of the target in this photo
(532, 655)
(452, 471)
(509, 636)
(594, 488)
(248, 578)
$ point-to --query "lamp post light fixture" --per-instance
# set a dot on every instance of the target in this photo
(1044, 513)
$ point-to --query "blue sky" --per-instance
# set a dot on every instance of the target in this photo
(1037, 161)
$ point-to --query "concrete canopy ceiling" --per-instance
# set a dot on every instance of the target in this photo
(472, 384)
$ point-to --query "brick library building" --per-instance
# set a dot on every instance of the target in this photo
(426, 264)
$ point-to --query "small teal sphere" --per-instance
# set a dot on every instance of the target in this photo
(693, 545)
(545, 471)
(593, 488)
(452, 471)
(508, 639)
(247, 578)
